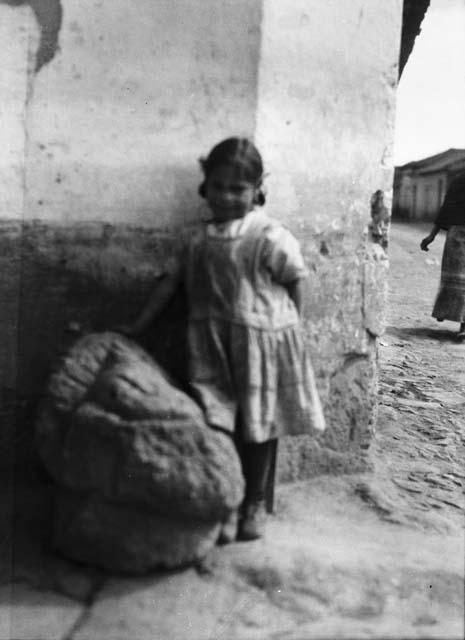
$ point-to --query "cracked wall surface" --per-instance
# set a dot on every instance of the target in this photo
(102, 165)
(49, 15)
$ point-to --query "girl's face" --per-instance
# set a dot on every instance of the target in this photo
(229, 194)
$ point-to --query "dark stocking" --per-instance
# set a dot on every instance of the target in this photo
(256, 464)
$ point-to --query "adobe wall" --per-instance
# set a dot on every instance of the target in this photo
(100, 168)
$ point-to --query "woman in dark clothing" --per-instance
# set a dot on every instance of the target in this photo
(450, 301)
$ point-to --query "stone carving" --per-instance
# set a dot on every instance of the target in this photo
(143, 480)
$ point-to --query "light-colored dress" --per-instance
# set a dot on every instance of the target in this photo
(248, 364)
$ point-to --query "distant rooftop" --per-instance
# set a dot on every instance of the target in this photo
(437, 162)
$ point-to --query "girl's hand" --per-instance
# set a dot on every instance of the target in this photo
(425, 242)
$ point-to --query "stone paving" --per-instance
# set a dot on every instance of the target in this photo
(427, 444)
(422, 388)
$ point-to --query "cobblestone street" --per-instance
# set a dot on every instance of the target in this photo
(421, 439)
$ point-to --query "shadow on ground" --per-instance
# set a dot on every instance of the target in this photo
(441, 335)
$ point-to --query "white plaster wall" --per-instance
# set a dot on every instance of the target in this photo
(18, 37)
(16, 31)
(326, 99)
(325, 119)
(136, 93)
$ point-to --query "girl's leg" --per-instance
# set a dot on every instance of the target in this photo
(256, 463)
(269, 496)
(257, 460)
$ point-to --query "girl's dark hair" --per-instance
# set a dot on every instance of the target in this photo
(238, 151)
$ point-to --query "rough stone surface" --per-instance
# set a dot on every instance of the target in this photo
(145, 481)
(375, 289)
(126, 539)
(72, 281)
(58, 281)
(328, 567)
(346, 362)
(421, 400)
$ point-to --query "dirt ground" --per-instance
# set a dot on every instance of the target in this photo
(376, 555)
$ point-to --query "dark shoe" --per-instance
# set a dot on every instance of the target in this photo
(228, 531)
(252, 525)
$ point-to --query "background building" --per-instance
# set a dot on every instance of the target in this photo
(420, 187)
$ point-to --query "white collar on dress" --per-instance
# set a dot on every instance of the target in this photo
(232, 228)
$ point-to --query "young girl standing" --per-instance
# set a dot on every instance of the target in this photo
(243, 273)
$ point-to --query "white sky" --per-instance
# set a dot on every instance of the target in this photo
(431, 95)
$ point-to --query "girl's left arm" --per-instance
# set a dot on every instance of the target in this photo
(163, 291)
(296, 291)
